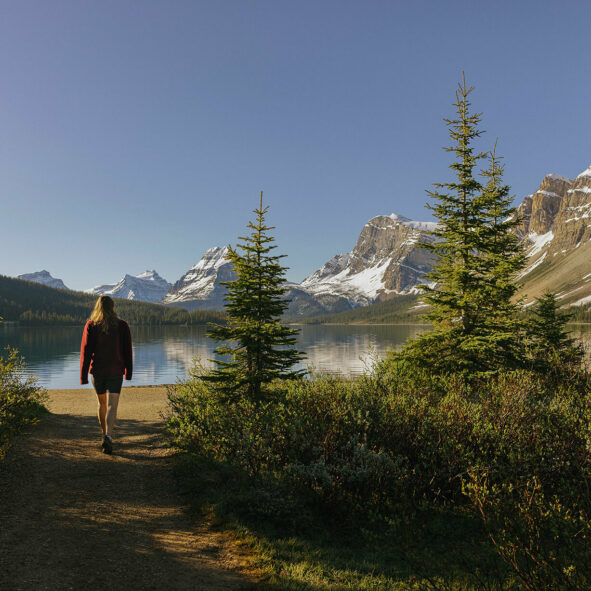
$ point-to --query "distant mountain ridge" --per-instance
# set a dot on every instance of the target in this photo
(33, 303)
(145, 287)
(44, 277)
(387, 260)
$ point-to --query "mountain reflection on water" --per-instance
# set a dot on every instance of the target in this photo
(164, 354)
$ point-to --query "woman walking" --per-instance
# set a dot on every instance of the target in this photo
(106, 352)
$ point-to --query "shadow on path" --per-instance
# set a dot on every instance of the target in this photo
(74, 518)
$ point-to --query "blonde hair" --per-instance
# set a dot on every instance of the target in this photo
(104, 314)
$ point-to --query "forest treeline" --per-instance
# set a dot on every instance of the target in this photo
(396, 310)
(406, 308)
(34, 304)
(580, 313)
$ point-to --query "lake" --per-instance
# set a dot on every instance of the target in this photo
(163, 354)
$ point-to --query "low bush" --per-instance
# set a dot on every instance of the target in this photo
(546, 540)
(21, 399)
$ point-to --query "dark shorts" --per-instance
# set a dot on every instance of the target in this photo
(103, 384)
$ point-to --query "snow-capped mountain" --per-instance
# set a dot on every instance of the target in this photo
(45, 278)
(145, 287)
(385, 262)
(199, 287)
(556, 229)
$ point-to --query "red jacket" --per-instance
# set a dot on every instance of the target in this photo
(106, 354)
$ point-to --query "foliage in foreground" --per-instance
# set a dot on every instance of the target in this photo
(511, 451)
(21, 399)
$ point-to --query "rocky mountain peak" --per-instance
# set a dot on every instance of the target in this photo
(545, 203)
(557, 232)
(44, 277)
(572, 224)
(214, 258)
(385, 261)
(146, 287)
(200, 286)
(149, 274)
(384, 236)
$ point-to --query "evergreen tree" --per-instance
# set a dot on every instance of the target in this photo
(259, 348)
(552, 348)
(476, 260)
(502, 258)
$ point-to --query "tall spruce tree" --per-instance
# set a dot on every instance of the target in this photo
(259, 348)
(476, 259)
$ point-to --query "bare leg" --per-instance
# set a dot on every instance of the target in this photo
(112, 413)
(102, 411)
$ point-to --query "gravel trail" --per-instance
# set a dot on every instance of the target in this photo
(72, 517)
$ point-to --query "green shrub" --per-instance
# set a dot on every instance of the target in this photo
(513, 449)
(21, 399)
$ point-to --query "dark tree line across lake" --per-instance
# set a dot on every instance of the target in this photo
(33, 304)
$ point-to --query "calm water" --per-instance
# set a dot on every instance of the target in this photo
(161, 355)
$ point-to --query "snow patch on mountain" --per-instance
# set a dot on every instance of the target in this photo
(557, 177)
(583, 301)
(538, 242)
(364, 285)
(586, 172)
(530, 268)
(422, 226)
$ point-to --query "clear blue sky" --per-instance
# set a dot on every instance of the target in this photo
(137, 134)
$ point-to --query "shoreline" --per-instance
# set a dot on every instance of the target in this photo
(361, 324)
(15, 323)
(91, 389)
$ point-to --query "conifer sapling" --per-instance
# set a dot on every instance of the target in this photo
(256, 347)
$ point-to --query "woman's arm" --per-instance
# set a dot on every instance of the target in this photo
(127, 351)
(86, 351)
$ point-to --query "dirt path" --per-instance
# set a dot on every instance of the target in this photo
(74, 518)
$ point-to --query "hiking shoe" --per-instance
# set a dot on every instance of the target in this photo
(107, 445)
